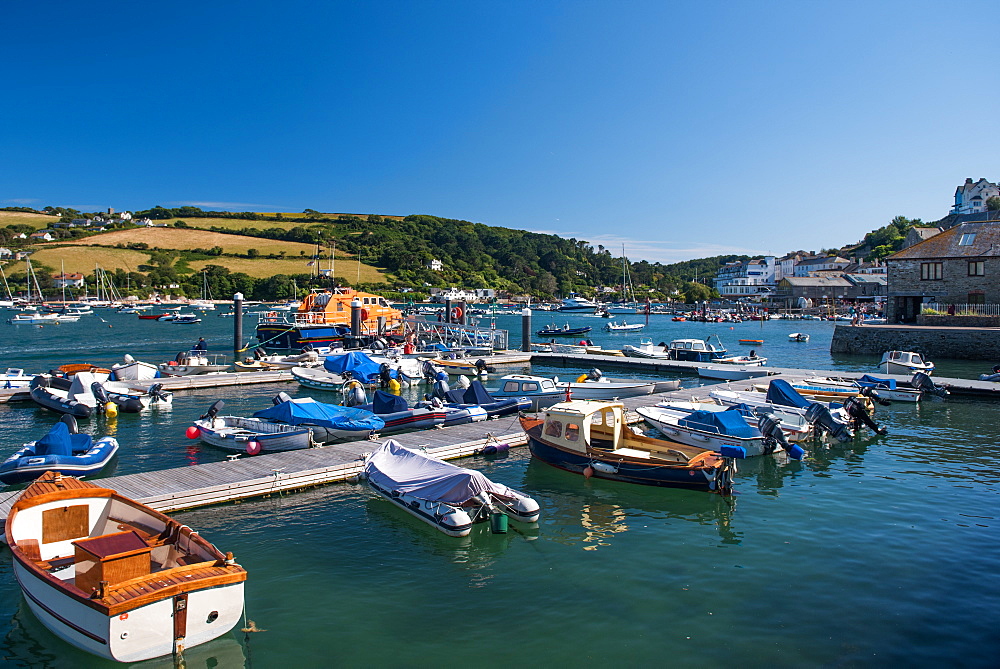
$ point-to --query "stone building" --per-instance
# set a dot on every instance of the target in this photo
(958, 266)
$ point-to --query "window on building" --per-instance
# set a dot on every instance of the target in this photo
(977, 268)
(930, 271)
(967, 239)
(978, 297)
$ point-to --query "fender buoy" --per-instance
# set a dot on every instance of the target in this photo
(253, 447)
(364, 314)
(456, 312)
(582, 378)
(192, 432)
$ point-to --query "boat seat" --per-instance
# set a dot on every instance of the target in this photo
(31, 549)
(631, 452)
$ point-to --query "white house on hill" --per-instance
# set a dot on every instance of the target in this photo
(971, 197)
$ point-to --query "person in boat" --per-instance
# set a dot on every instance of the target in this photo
(201, 345)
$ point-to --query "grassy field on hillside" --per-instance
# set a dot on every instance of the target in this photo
(347, 269)
(82, 259)
(179, 238)
(37, 221)
(240, 223)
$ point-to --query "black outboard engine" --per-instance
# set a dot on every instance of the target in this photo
(923, 383)
(281, 398)
(595, 374)
(770, 427)
(427, 369)
(100, 394)
(821, 419)
(213, 410)
(384, 375)
(872, 394)
(860, 416)
(70, 421)
(258, 354)
(156, 392)
(483, 368)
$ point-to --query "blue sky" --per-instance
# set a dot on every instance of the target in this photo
(679, 129)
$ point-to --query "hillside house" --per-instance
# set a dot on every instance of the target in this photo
(971, 197)
(435, 265)
(43, 236)
(958, 266)
(68, 280)
(5, 252)
(808, 266)
(746, 279)
(917, 235)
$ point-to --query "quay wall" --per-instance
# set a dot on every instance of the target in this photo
(962, 343)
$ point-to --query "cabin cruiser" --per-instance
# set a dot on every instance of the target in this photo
(905, 362)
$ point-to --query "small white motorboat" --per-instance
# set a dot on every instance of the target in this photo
(15, 378)
(185, 319)
(645, 349)
(752, 360)
(133, 370)
(249, 435)
(188, 363)
(115, 578)
(442, 495)
(624, 326)
(798, 336)
(905, 362)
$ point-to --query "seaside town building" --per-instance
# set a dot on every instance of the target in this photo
(971, 197)
(958, 267)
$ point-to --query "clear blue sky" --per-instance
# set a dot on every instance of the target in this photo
(680, 129)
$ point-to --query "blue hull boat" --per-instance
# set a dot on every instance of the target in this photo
(62, 451)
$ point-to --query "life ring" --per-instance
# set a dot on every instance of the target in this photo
(272, 316)
(456, 312)
(364, 314)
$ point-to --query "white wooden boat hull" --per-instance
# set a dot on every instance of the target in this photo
(139, 634)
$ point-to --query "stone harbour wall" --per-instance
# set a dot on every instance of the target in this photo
(950, 342)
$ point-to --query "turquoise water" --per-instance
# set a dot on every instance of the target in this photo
(882, 552)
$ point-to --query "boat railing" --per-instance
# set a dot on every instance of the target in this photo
(454, 334)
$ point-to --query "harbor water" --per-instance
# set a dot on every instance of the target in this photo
(878, 552)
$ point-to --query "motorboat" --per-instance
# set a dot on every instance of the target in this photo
(552, 330)
(115, 578)
(624, 326)
(752, 360)
(264, 362)
(440, 494)
(732, 372)
(716, 429)
(885, 389)
(541, 391)
(697, 350)
(71, 395)
(792, 423)
(994, 375)
(185, 319)
(476, 395)
(646, 349)
(134, 370)
(128, 399)
(578, 303)
(905, 362)
(798, 336)
(398, 416)
(15, 377)
(249, 435)
(329, 422)
(190, 363)
(42, 319)
(592, 438)
(63, 450)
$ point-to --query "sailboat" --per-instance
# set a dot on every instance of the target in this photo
(9, 302)
(623, 306)
(205, 303)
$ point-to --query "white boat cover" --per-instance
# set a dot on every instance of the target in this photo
(394, 467)
(80, 390)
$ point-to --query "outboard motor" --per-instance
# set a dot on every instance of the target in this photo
(859, 415)
(213, 410)
(70, 421)
(100, 394)
(463, 381)
(483, 368)
(384, 375)
(354, 394)
(281, 398)
(257, 354)
(180, 357)
(427, 369)
(595, 374)
(923, 383)
(441, 386)
(872, 394)
(156, 392)
(770, 427)
(821, 419)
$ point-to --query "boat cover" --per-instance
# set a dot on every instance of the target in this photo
(60, 442)
(395, 468)
(306, 410)
(781, 392)
(725, 423)
(80, 388)
(360, 365)
(383, 403)
(744, 410)
(476, 393)
(875, 382)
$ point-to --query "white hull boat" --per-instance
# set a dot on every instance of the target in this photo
(134, 370)
(905, 362)
(677, 425)
(448, 498)
(623, 326)
(645, 349)
(15, 378)
(794, 425)
(192, 362)
(115, 578)
(250, 435)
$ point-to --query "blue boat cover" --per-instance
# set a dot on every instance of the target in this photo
(725, 423)
(743, 409)
(395, 468)
(356, 362)
(781, 392)
(309, 411)
(60, 442)
(384, 403)
(476, 393)
(872, 381)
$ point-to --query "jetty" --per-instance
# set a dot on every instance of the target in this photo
(243, 477)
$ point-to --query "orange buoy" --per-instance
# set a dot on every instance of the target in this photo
(588, 471)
